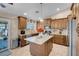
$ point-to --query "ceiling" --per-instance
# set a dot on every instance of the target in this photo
(33, 10)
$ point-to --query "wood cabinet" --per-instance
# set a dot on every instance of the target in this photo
(22, 42)
(59, 23)
(22, 22)
(47, 22)
(21, 27)
(61, 40)
(41, 50)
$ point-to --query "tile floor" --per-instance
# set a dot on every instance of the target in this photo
(57, 50)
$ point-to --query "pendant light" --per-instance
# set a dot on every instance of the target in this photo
(41, 18)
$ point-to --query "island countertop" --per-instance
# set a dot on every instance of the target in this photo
(39, 39)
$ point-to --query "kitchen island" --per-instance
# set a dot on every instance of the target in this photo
(40, 45)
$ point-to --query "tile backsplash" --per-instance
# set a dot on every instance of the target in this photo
(57, 31)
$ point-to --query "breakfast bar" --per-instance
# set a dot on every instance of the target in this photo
(40, 45)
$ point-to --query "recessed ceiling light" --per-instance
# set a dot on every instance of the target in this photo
(58, 9)
(36, 11)
(25, 13)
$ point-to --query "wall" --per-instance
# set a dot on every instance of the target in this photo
(14, 33)
(62, 14)
(14, 29)
(56, 31)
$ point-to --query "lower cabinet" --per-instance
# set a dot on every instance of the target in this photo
(61, 40)
(41, 50)
(22, 42)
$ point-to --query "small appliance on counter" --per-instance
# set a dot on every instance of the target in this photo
(47, 30)
(22, 32)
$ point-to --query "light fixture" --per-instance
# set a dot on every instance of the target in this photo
(25, 14)
(58, 9)
(41, 11)
(40, 19)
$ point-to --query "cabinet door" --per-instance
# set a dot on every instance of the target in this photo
(22, 41)
(59, 24)
(61, 40)
(47, 22)
(22, 23)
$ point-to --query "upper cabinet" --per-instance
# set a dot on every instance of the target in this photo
(59, 24)
(47, 22)
(22, 22)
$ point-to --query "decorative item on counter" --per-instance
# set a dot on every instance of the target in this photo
(48, 30)
(60, 31)
(22, 32)
(40, 30)
(41, 35)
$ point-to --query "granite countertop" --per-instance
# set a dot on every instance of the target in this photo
(40, 39)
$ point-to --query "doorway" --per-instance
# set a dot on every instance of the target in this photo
(3, 35)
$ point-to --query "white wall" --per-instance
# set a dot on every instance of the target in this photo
(14, 29)
(57, 31)
(13, 33)
(62, 14)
